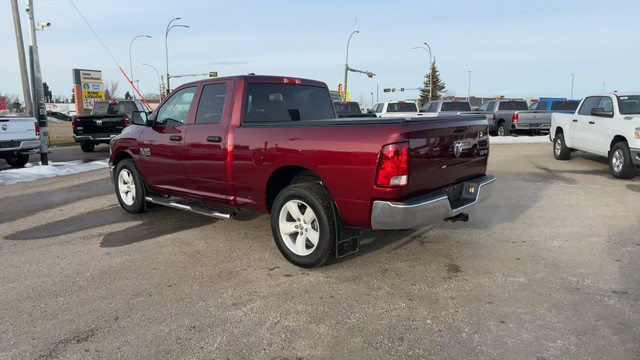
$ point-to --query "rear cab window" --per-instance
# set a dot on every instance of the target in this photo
(286, 102)
(565, 105)
(456, 106)
(402, 107)
(513, 105)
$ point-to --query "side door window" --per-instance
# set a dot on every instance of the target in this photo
(542, 105)
(534, 106)
(589, 104)
(483, 107)
(211, 104)
(606, 104)
(176, 109)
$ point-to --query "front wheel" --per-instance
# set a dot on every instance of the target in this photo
(303, 224)
(129, 187)
(19, 160)
(87, 146)
(620, 161)
(560, 149)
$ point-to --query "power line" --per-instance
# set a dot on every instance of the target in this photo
(94, 33)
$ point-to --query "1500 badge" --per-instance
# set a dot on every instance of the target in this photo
(145, 152)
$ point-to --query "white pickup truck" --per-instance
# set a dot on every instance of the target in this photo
(18, 136)
(606, 125)
(395, 109)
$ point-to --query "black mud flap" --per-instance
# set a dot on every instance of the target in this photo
(347, 238)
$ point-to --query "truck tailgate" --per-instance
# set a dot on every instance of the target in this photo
(534, 119)
(446, 150)
(99, 124)
(17, 128)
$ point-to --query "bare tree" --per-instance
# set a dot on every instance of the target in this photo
(112, 88)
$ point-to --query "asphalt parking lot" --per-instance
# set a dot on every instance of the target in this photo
(546, 269)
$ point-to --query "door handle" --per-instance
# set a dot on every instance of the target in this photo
(175, 138)
(214, 139)
(575, 120)
(591, 122)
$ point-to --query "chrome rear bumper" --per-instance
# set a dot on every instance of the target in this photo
(429, 208)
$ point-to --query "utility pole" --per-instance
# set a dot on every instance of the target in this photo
(469, 92)
(26, 91)
(39, 106)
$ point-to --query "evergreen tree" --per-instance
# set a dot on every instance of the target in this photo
(438, 85)
(48, 96)
(107, 94)
(127, 95)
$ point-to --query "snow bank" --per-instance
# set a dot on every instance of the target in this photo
(505, 140)
(31, 173)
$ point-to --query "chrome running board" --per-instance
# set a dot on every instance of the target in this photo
(185, 205)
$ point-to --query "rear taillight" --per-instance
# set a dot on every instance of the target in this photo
(73, 123)
(37, 129)
(494, 118)
(514, 118)
(126, 121)
(393, 166)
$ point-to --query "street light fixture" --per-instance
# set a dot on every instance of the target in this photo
(166, 48)
(133, 93)
(572, 77)
(346, 65)
(157, 74)
(428, 49)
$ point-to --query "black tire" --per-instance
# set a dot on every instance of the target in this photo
(87, 146)
(137, 203)
(560, 149)
(19, 160)
(318, 199)
(503, 130)
(620, 161)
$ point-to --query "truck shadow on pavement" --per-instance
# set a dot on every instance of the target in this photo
(153, 224)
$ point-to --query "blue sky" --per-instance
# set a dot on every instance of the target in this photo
(512, 48)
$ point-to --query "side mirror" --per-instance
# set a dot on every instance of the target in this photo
(601, 112)
(139, 118)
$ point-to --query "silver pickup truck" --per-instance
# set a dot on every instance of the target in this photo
(450, 108)
(511, 115)
(18, 136)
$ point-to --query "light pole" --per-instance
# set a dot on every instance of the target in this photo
(469, 93)
(572, 77)
(166, 48)
(158, 75)
(428, 49)
(346, 65)
(131, 65)
(603, 83)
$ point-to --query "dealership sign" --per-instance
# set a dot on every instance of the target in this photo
(87, 88)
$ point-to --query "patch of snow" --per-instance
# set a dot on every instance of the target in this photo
(32, 173)
(506, 140)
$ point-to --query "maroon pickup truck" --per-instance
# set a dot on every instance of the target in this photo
(274, 145)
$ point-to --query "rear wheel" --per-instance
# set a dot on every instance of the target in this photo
(18, 160)
(502, 129)
(303, 226)
(560, 149)
(129, 187)
(87, 146)
(620, 161)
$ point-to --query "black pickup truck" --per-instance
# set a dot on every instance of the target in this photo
(107, 120)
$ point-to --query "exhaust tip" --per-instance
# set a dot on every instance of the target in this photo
(464, 217)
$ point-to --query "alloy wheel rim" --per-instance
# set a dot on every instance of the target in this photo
(617, 160)
(558, 146)
(126, 187)
(299, 228)
(501, 131)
